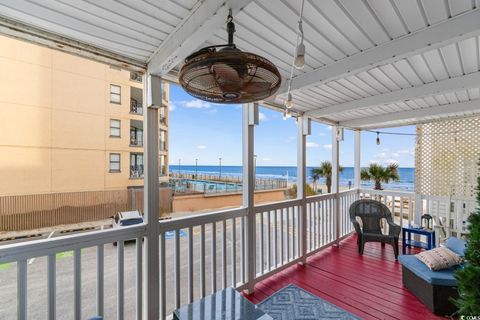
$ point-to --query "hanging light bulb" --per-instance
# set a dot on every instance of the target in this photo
(289, 102)
(378, 138)
(286, 114)
(300, 50)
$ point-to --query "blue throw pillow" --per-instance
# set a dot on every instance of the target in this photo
(456, 245)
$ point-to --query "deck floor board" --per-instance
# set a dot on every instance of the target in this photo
(369, 286)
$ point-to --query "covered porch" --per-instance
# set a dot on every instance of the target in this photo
(395, 63)
(368, 286)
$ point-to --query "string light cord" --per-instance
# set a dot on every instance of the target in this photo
(414, 134)
(299, 34)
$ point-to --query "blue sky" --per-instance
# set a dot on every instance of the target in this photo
(208, 131)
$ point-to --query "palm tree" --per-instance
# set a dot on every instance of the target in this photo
(379, 174)
(324, 171)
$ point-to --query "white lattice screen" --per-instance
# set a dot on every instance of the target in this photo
(447, 156)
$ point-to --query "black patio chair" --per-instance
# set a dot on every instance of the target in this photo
(369, 229)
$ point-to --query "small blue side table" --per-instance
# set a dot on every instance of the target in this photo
(407, 238)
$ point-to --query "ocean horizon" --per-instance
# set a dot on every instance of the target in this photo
(289, 173)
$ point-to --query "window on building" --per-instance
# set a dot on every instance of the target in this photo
(114, 128)
(163, 167)
(163, 115)
(114, 162)
(163, 140)
(115, 94)
(136, 165)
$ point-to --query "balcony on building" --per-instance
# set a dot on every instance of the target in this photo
(136, 165)
(136, 133)
(136, 76)
(136, 101)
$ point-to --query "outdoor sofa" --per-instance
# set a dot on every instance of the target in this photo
(434, 288)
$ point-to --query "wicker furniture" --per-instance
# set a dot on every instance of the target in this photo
(369, 228)
(435, 289)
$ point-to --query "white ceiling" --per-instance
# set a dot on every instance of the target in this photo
(369, 63)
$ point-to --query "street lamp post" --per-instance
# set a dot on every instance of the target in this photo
(196, 165)
(220, 169)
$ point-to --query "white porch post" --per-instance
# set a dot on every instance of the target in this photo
(152, 94)
(250, 119)
(358, 135)
(335, 181)
(303, 130)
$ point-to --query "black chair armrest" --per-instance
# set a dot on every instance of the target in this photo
(393, 229)
(356, 225)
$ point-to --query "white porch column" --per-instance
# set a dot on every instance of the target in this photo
(250, 119)
(303, 129)
(335, 180)
(358, 135)
(152, 100)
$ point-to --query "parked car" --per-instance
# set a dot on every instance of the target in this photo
(125, 219)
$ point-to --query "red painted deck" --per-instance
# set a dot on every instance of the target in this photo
(369, 286)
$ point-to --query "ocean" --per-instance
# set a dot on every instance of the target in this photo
(406, 183)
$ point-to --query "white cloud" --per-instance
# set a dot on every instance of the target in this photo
(262, 116)
(201, 147)
(391, 161)
(211, 111)
(329, 128)
(196, 104)
(291, 138)
(312, 145)
(410, 152)
(266, 159)
(322, 134)
(327, 146)
(172, 106)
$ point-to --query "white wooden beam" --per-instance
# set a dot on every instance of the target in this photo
(250, 119)
(202, 22)
(468, 81)
(413, 115)
(357, 154)
(335, 181)
(151, 281)
(303, 129)
(437, 35)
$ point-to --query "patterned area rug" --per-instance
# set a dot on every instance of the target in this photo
(294, 303)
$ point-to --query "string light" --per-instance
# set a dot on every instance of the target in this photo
(286, 114)
(299, 61)
(288, 102)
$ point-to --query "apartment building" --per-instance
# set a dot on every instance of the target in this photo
(70, 124)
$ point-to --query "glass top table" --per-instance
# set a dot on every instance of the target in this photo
(226, 304)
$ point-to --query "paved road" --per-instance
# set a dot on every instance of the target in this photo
(37, 278)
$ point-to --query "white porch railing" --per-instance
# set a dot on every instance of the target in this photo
(23, 253)
(400, 203)
(202, 254)
(449, 213)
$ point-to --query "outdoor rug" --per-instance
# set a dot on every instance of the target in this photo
(294, 303)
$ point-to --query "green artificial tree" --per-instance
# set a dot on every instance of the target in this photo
(468, 277)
